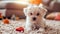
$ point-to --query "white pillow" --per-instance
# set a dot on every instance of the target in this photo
(3, 11)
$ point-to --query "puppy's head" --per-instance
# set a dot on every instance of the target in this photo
(34, 12)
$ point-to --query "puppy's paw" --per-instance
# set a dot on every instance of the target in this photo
(27, 30)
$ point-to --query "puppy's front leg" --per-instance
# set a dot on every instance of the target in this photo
(28, 28)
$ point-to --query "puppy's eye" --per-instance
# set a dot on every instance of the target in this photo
(30, 13)
(37, 14)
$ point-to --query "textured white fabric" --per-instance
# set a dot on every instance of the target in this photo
(10, 28)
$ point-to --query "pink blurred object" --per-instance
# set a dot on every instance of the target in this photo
(57, 17)
(0, 14)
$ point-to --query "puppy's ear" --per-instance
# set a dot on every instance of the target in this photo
(43, 11)
(25, 11)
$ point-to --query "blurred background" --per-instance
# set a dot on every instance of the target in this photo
(15, 7)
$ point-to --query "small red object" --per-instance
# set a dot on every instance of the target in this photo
(20, 29)
(57, 17)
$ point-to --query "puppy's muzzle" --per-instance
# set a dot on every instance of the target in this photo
(34, 18)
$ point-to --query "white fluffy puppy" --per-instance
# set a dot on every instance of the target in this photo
(34, 17)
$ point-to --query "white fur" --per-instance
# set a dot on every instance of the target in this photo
(39, 19)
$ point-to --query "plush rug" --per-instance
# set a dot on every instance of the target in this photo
(10, 28)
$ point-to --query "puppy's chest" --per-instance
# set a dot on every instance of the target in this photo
(36, 26)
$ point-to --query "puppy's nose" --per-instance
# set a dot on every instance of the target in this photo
(34, 18)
